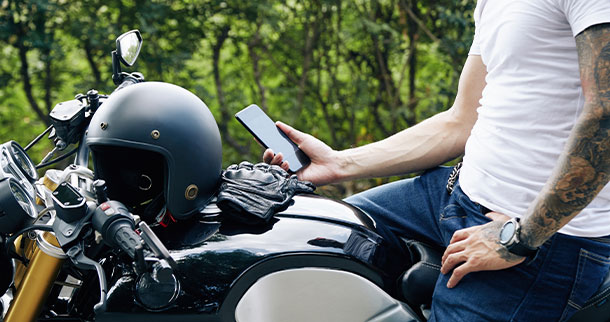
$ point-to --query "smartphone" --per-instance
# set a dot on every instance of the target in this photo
(271, 137)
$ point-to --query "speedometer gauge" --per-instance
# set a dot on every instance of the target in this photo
(16, 206)
(23, 161)
(15, 161)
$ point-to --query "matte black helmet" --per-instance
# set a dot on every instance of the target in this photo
(157, 144)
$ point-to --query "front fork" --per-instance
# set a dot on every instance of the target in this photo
(34, 281)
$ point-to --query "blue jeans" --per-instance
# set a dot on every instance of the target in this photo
(551, 287)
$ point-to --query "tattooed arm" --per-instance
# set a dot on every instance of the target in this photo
(584, 167)
(581, 172)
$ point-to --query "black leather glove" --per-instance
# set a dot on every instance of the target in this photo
(252, 193)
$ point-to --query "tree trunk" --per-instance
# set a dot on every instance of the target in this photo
(48, 79)
(384, 75)
(94, 69)
(256, 68)
(27, 83)
(225, 116)
(307, 53)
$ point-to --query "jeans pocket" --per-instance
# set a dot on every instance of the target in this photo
(459, 213)
(452, 211)
(592, 268)
(452, 218)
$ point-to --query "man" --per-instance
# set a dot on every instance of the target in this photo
(532, 118)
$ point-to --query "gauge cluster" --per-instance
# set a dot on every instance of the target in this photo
(17, 192)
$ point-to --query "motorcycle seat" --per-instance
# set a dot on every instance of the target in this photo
(416, 284)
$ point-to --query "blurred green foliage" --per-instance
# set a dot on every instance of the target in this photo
(348, 72)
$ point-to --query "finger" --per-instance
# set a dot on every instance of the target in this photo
(452, 261)
(295, 135)
(285, 166)
(460, 235)
(497, 216)
(459, 273)
(453, 248)
(277, 159)
(268, 156)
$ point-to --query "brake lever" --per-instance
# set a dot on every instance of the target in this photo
(156, 245)
(81, 261)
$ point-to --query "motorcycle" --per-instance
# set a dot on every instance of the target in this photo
(73, 255)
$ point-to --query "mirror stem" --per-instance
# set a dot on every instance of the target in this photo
(117, 78)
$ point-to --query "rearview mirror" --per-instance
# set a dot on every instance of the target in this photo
(128, 47)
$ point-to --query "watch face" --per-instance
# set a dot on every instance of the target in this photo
(507, 232)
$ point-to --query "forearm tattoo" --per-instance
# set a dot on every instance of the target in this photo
(584, 166)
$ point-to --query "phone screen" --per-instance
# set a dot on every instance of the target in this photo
(270, 136)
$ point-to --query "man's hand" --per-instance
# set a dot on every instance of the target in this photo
(477, 248)
(324, 167)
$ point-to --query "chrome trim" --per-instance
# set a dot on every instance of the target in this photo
(48, 248)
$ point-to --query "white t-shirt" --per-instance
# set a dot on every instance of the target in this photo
(530, 104)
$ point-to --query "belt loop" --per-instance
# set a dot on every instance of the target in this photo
(453, 177)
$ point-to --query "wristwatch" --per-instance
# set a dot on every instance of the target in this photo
(510, 238)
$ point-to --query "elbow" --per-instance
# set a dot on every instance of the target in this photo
(460, 125)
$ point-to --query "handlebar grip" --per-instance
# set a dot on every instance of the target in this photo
(123, 235)
(113, 221)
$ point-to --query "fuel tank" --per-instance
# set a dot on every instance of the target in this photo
(218, 261)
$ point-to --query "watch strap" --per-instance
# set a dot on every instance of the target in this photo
(521, 250)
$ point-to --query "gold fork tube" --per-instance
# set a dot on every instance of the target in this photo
(34, 287)
(26, 248)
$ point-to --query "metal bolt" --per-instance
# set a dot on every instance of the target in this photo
(60, 144)
(155, 134)
(69, 232)
(104, 125)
